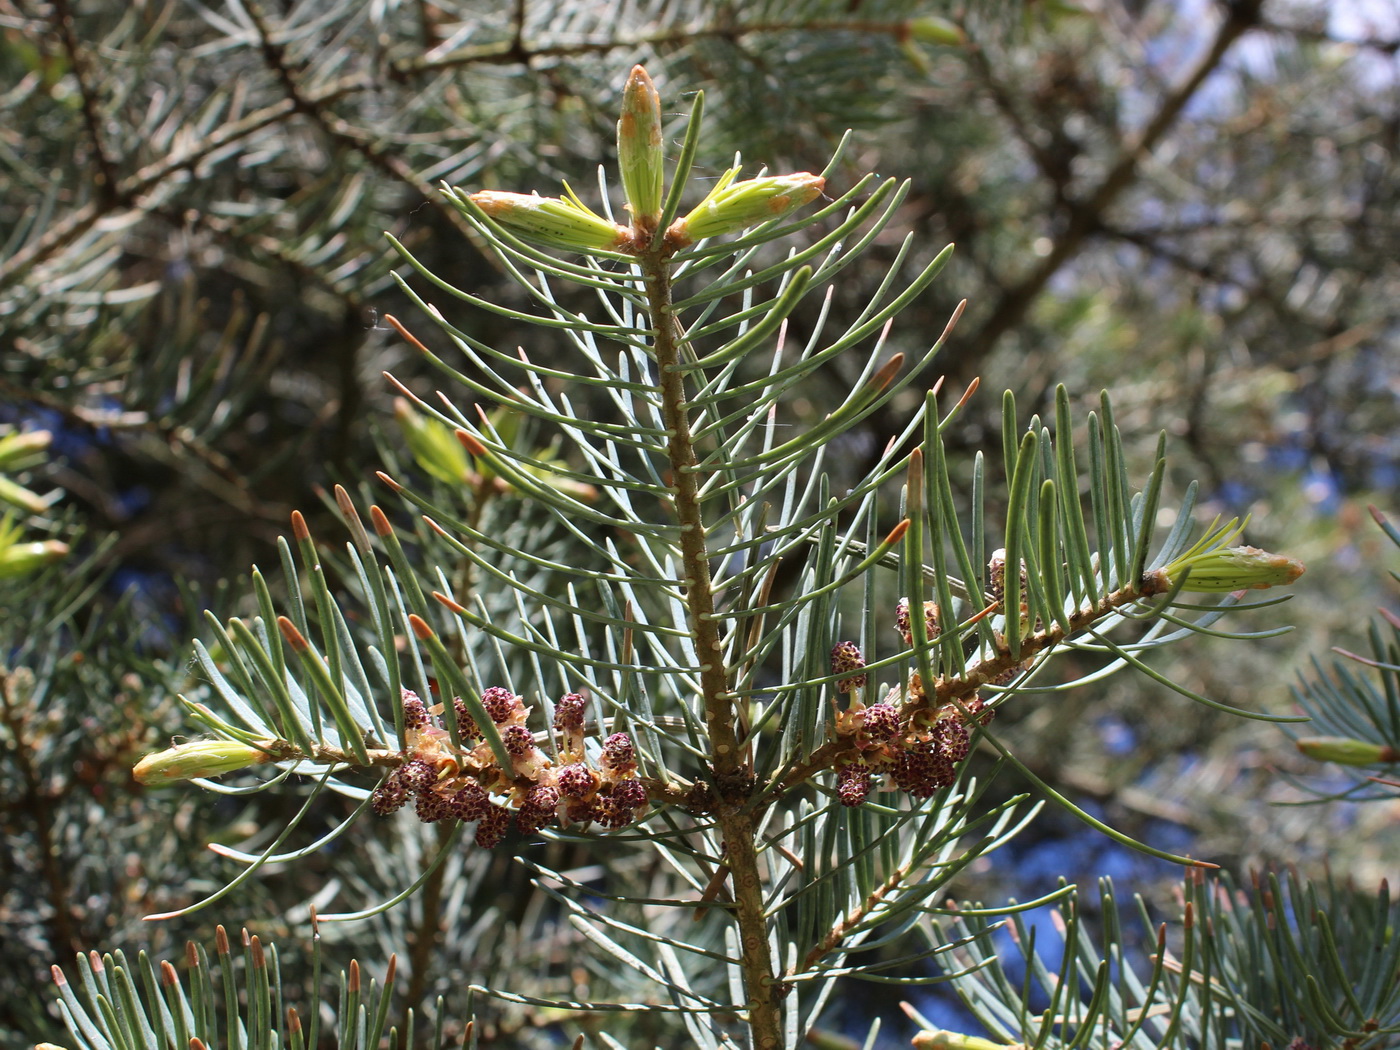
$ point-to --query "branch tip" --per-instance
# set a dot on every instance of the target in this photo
(398, 384)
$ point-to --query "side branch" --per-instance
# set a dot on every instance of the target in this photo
(963, 687)
(105, 177)
(857, 915)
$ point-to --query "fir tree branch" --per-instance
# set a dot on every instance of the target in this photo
(105, 177)
(957, 690)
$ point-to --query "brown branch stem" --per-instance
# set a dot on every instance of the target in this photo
(514, 50)
(105, 177)
(343, 133)
(733, 779)
(428, 933)
(854, 917)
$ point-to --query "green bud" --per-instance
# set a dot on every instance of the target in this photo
(945, 1040)
(915, 54)
(200, 758)
(1346, 751)
(640, 155)
(16, 495)
(931, 30)
(734, 205)
(553, 221)
(20, 559)
(434, 445)
(21, 449)
(1226, 569)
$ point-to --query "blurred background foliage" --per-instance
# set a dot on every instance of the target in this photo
(1190, 203)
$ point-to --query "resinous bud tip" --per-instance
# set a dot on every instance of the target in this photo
(640, 156)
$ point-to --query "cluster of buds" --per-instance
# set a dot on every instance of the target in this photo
(996, 575)
(21, 450)
(465, 781)
(732, 204)
(918, 752)
(996, 583)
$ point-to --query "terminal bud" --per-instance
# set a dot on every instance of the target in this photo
(1226, 569)
(199, 758)
(1346, 751)
(640, 156)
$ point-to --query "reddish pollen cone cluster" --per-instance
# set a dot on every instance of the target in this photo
(918, 753)
(447, 781)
